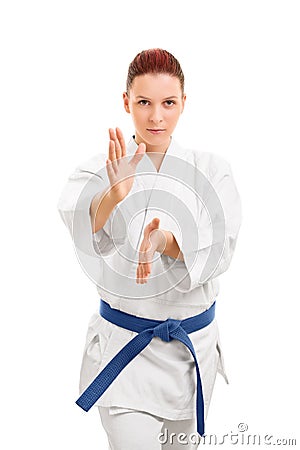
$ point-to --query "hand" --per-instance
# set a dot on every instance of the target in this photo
(120, 171)
(154, 240)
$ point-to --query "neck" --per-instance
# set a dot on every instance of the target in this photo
(160, 148)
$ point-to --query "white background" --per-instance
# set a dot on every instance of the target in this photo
(64, 66)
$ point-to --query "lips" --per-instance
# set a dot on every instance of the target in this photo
(156, 130)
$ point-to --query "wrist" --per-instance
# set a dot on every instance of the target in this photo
(114, 197)
(170, 246)
(159, 238)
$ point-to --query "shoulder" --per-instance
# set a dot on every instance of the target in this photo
(211, 163)
(95, 164)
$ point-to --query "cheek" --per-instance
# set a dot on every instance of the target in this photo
(138, 115)
(174, 115)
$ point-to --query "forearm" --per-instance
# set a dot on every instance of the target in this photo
(101, 207)
(170, 247)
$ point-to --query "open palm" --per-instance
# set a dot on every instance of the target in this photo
(154, 239)
(120, 170)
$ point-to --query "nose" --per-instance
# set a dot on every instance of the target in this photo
(156, 115)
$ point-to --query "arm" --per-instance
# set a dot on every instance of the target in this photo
(75, 210)
(89, 198)
(101, 208)
(121, 173)
(171, 247)
(155, 240)
(207, 254)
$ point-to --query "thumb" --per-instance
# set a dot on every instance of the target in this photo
(155, 222)
(138, 154)
(153, 225)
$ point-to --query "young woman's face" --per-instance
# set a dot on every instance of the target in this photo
(155, 102)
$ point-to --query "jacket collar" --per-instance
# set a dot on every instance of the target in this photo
(173, 150)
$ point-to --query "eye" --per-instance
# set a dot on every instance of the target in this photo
(143, 102)
(170, 102)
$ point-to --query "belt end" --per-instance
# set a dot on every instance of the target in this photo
(83, 405)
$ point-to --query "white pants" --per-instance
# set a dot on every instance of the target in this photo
(136, 430)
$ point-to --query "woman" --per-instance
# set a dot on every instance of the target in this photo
(153, 225)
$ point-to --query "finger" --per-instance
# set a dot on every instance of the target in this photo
(139, 267)
(146, 270)
(148, 267)
(148, 262)
(141, 264)
(111, 149)
(144, 254)
(144, 274)
(147, 230)
(112, 155)
(142, 257)
(121, 141)
(143, 271)
(145, 262)
(118, 146)
(155, 222)
(140, 276)
(137, 275)
(138, 155)
(147, 258)
(109, 169)
(113, 137)
(117, 143)
(154, 225)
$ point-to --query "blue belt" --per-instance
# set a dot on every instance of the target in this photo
(147, 329)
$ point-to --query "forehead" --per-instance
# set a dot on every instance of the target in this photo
(156, 85)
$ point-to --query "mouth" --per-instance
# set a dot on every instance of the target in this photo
(156, 130)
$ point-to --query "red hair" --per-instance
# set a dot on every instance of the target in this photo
(154, 61)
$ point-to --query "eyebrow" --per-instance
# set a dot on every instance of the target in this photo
(147, 98)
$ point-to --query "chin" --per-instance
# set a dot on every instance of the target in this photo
(156, 140)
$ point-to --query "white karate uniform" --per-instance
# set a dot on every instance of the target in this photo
(161, 380)
(136, 430)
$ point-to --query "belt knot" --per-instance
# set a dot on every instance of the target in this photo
(165, 329)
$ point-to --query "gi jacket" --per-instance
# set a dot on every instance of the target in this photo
(195, 197)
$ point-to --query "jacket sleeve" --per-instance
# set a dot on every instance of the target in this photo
(217, 224)
(74, 209)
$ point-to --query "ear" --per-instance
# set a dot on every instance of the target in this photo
(183, 102)
(126, 102)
